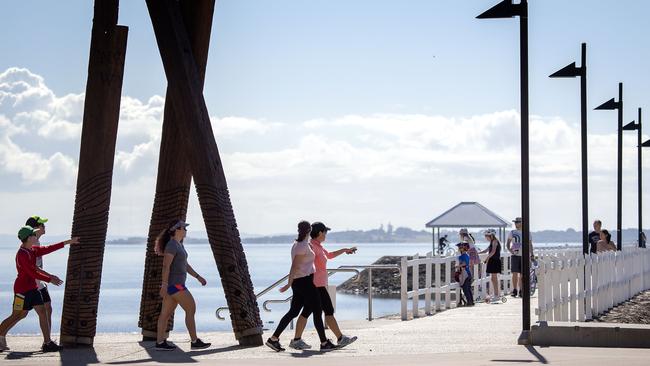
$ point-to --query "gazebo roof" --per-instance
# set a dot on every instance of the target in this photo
(468, 214)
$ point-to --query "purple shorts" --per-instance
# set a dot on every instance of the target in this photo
(172, 289)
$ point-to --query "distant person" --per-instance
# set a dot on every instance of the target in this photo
(465, 281)
(514, 246)
(493, 262)
(594, 236)
(175, 268)
(305, 294)
(642, 240)
(38, 223)
(466, 237)
(26, 294)
(605, 243)
(442, 243)
(321, 255)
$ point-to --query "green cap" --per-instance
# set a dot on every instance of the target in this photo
(35, 221)
(25, 232)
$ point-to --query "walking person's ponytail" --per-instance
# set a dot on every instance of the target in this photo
(304, 228)
(164, 237)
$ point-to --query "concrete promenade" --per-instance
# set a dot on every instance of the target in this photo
(482, 335)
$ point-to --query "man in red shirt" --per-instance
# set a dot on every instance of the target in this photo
(26, 294)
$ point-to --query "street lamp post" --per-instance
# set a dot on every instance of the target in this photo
(571, 71)
(611, 105)
(506, 9)
(630, 127)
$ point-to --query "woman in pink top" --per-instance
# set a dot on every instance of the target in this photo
(321, 255)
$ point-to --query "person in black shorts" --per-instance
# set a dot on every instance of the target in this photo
(493, 261)
(594, 236)
(38, 223)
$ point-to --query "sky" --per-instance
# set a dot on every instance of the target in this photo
(355, 113)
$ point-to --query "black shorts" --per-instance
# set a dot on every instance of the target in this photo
(45, 295)
(325, 301)
(28, 300)
(515, 264)
(493, 265)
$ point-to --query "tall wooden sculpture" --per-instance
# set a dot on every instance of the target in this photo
(195, 131)
(174, 175)
(188, 148)
(98, 137)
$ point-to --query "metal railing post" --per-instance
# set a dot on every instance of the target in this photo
(369, 294)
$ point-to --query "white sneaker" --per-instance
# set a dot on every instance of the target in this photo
(299, 344)
(345, 340)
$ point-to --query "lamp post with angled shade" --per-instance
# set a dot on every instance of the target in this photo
(611, 105)
(571, 71)
(506, 9)
(631, 127)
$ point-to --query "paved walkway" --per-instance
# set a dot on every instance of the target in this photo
(482, 335)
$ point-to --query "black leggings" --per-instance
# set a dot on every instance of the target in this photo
(325, 303)
(305, 295)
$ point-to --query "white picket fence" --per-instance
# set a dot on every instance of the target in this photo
(573, 287)
(434, 289)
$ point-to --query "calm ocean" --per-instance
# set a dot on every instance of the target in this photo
(122, 284)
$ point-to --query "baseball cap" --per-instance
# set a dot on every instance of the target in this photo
(517, 219)
(179, 225)
(25, 232)
(318, 227)
(35, 221)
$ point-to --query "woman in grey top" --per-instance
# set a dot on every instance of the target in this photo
(175, 268)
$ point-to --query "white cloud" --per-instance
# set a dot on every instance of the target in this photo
(353, 171)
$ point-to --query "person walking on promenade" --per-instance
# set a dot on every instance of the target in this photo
(305, 294)
(321, 255)
(175, 268)
(38, 223)
(514, 246)
(26, 295)
(465, 278)
(605, 243)
(466, 237)
(493, 262)
(594, 236)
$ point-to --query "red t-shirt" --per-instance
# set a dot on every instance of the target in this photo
(28, 273)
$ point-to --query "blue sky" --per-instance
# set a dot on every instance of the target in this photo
(296, 69)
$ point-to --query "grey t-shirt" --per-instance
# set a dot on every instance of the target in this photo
(178, 268)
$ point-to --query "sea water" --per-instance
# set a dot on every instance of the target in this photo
(123, 268)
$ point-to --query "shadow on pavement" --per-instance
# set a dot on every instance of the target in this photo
(533, 351)
(175, 356)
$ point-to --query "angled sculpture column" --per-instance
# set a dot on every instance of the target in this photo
(174, 175)
(98, 137)
(195, 130)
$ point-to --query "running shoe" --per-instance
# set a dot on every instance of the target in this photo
(345, 340)
(514, 293)
(199, 344)
(495, 300)
(328, 346)
(51, 347)
(274, 345)
(164, 346)
(299, 344)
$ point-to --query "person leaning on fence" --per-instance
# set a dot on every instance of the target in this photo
(594, 236)
(493, 262)
(466, 237)
(605, 244)
(514, 245)
(464, 273)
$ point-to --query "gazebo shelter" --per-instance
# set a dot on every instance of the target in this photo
(467, 215)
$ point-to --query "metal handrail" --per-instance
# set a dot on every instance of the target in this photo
(330, 272)
(280, 281)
